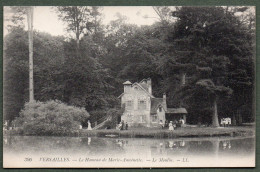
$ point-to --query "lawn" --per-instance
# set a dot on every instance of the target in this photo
(180, 132)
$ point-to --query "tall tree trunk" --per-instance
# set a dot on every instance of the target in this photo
(30, 38)
(77, 32)
(183, 79)
(215, 122)
(234, 121)
(239, 117)
(77, 44)
(199, 120)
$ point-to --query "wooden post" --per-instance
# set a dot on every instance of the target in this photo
(30, 37)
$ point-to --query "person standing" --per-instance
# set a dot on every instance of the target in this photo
(119, 126)
(123, 125)
(175, 124)
(89, 125)
(126, 126)
(171, 126)
(166, 124)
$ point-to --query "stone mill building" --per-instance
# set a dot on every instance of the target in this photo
(143, 109)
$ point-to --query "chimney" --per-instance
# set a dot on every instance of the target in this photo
(164, 100)
(149, 84)
(127, 86)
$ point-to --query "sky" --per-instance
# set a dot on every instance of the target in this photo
(46, 20)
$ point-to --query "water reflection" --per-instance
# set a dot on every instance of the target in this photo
(89, 140)
(226, 144)
(129, 147)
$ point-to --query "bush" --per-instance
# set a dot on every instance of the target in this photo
(50, 118)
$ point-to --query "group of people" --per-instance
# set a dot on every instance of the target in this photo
(122, 126)
(172, 125)
(225, 122)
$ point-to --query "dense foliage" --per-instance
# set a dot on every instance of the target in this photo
(201, 57)
(50, 118)
(215, 46)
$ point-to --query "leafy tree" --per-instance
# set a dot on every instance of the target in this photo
(164, 14)
(212, 39)
(49, 57)
(17, 17)
(214, 92)
(79, 20)
(15, 73)
(86, 81)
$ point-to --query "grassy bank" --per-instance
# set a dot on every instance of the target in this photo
(181, 132)
(159, 133)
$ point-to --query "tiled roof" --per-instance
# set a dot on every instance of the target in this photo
(136, 83)
(155, 102)
(145, 86)
(176, 110)
(144, 83)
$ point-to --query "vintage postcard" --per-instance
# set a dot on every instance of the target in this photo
(129, 86)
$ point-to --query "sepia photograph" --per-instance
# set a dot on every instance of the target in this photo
(129, 86)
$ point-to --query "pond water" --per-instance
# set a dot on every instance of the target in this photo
(34, 151)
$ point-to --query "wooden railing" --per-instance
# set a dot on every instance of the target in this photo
(102, 121)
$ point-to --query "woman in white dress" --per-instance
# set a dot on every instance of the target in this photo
(89, 125)
(171, 126)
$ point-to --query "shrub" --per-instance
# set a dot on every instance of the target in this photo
(50, 118)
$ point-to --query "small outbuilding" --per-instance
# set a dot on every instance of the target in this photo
(175, 114)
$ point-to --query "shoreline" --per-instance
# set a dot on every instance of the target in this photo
(179, 133)
(187, 132)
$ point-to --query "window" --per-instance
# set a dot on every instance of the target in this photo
(160, 109)
(129, 104)
(141, 104)
(136, 88)
(154, 117)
